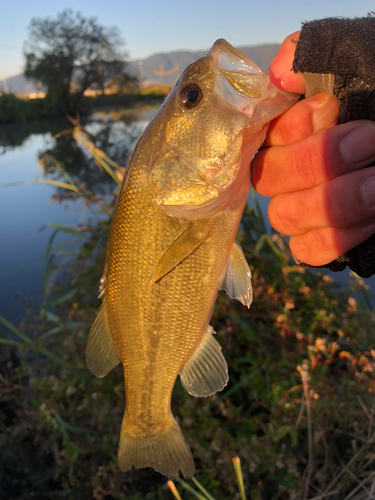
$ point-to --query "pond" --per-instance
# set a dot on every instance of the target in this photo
(29, 209)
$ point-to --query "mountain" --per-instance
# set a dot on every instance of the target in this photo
(18, 85)
(158, 68)
(166, 67)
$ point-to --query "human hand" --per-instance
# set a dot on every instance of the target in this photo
(322, 194)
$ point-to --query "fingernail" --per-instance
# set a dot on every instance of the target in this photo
(325, 112)
(368, 191)
(359, 145)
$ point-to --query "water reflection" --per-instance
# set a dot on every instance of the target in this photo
(26, 208)
(14, 135)
(114, 133)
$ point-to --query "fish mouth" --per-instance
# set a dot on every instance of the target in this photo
(239, 70)
(242, 84)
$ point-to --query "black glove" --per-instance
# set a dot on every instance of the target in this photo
(338, 55)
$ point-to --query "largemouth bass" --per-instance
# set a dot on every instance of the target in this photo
(172, 247)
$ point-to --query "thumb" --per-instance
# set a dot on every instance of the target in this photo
(280, 71)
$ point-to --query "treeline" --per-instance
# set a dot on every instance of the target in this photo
(16, 109)
(69, 55)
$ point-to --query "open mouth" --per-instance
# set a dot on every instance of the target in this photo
(239, 70)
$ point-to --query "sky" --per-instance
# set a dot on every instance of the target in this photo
(150, 26)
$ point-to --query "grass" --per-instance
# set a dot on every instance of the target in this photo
(16, 109)
(299, 409)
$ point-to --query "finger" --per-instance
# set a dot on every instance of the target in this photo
(303, 119)
(314, 160)
(280, 71)
(320, 246)
(342, 202)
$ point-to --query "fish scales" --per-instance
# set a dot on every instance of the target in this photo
(172, 247)
(154, 330)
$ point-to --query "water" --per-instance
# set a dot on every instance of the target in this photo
(26, 209)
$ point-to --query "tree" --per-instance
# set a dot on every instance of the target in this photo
(70, 54)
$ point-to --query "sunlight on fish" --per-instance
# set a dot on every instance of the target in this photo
(172, 247)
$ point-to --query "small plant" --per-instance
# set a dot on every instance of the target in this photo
(299, 409)
(204, 494)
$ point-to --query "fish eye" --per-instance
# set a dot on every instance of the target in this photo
(191, 96)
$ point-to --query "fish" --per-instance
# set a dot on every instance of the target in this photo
(172, 247)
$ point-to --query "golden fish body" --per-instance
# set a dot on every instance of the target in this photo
(172, 247)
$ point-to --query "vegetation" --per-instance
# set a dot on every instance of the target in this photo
(16, 109)
(71, 54)
(299, 409)
(12, 108)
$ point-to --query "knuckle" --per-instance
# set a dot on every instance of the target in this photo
(322, 242)
(306, 160)
(292, 126)
(314, 247)
(297, 127)
(281, 215)
(337, 209)
(345, 201)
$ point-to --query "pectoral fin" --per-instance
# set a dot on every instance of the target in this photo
(237, 279)
(101, 355)
(207, 371)
(181, 248)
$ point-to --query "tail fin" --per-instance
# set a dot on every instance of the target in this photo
(165, 452)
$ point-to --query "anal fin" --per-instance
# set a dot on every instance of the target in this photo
(101, 355)
(237, 279)
(207, 371)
